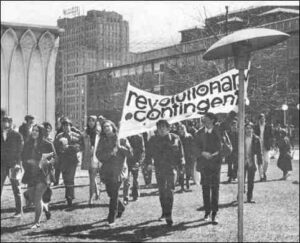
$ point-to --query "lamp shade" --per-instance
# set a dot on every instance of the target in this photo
(256, 38)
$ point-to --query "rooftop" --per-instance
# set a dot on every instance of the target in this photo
(54, 29)
(280, 10)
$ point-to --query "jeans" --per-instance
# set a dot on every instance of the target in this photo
(94, 189)
(16, 188)
(166, 186)
(135, 186)
(147, 174)
(69, 177)
(232, 161)
(115, 205)
(250, 171)
(35, 194)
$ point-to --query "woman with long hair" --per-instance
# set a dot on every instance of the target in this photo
(37, 155)
(112, 153)
(90, 162)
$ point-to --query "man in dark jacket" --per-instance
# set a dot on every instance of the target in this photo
(134, 162)
(207, 150)
(252, 149)
(26, 128)
(232, 159)
(11, 149)
(166, 150)
(67, 145)
(265, 133)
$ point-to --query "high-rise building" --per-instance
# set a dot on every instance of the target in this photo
(99, 39)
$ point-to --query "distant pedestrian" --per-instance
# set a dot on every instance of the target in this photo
(166, 150)
(90, 162)
(11, 166)
(252, 150)
(38, 156)
(26, 128)
(232, 159)
(188, 144)
(147, 173)
(113, 153)
(285, 155)
(265, 133)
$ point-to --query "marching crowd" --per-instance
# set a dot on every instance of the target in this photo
(31, 157)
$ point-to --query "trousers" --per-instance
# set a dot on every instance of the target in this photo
(16, 188)
(166, 186)
(69, 178)
(135, 183)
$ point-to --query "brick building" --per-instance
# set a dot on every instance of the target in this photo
(274, 76)
(98, 40)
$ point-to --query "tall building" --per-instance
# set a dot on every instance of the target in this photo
(98, 40)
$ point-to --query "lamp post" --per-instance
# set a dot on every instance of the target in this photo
(240, 44)
(284, 108)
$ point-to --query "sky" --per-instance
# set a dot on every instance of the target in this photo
(152, 24)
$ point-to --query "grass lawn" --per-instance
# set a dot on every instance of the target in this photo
(274, 217)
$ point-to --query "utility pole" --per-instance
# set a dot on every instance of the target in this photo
(226, 33)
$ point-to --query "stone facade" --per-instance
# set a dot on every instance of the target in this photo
(28, 56)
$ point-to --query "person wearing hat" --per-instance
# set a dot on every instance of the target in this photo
(166, 150)
(26, 128)
(207, 150)
(67, 145)
(11, 149)
(265, 132)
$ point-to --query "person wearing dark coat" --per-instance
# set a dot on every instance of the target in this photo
(232, 159)
(134, 162)
(166, 150)
(265, 133)
(252, 149)
(113, 153)
(67, 145)
(38, 156)
(188, 143)
(285, 158)
(26, 128)
(11, 150)
(207, 149)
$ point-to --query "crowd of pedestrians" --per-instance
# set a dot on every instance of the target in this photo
(32, 157)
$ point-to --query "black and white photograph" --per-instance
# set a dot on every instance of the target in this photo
(149, 121)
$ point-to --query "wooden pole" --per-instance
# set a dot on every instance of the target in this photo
(241, 117)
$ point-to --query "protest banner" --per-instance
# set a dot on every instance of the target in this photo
(143, 109)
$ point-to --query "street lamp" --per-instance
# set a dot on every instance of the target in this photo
(284, 108)
(240, 44)
(298, 106)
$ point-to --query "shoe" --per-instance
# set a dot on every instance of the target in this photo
(125, 201)
(214, 219)
(35, 226)
(162, 217)
(169, 221)
(206, 216)
(119, 215)
(250, 201)
(111, 225)
(17, 215)
(135, 198)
